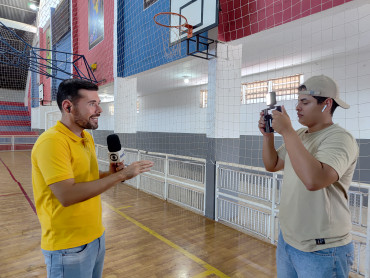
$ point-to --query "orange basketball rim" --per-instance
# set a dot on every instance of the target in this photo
(180, 27)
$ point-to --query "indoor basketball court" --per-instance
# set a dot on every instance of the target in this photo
(182, 84)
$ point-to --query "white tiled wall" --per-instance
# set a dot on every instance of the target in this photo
(125, 96)
(335, 42)
(176, 111)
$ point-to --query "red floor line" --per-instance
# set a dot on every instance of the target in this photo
(21, 187)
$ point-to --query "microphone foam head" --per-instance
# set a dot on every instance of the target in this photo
(114, 145)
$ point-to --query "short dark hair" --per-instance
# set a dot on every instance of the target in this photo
(321, 99)
(68, 89)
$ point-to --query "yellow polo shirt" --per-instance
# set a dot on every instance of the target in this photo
(58, 155)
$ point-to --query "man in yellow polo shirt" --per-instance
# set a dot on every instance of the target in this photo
(67, 185)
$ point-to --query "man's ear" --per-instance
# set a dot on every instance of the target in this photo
(66, 105)
(329, 103)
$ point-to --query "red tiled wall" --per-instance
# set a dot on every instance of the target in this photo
(241, 18)
(44, 79)
(29, 97)
(102, 53)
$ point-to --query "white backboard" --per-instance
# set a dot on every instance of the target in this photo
(201, 14)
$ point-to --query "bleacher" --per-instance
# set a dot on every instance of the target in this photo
(15, 127)
(15, 119)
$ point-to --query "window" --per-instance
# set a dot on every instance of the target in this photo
(254, 92)
(286, 88)
(137, 106)
(203, 98)
(111, 109)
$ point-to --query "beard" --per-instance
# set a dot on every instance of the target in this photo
(85, 124)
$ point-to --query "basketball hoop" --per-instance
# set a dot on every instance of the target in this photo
(174, 31)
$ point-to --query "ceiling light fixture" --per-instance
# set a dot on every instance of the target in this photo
(33, 6)
(186, 79)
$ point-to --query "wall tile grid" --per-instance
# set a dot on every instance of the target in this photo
(46, 81)
(125, 96)
(141, 44)
(64, 45)
(242, 18)
(102, 53)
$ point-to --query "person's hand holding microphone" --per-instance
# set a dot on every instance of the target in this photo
(116, 160)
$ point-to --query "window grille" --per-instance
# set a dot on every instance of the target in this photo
(111, 109)
(254, 92)
(286, 88)
(203, 98)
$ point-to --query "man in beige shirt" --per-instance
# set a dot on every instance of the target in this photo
(318, 162)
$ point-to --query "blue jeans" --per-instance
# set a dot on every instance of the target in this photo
(326, 263)
(84, 261)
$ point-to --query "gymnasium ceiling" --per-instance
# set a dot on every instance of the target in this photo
(18, 11)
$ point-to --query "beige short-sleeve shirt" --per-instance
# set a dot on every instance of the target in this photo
(315, 220)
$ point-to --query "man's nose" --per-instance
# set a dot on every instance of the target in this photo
(297, 106)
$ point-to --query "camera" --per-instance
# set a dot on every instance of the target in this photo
(271, 102)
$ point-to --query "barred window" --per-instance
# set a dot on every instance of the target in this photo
(203, 98)
(111, 109)
(254, 92)
(286, 88)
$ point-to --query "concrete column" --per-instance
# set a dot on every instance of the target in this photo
(223, 115)
(224, 91)
(125, 96)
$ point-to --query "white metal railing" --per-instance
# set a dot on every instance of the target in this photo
(131, 156)
(244, 216)
(358, 203)
(189, 170)
(102, 156)
(192, 198)
(52, 117)
(17, 142)
(178, 179)
(248, 198)
(258, 186)
(250, 193)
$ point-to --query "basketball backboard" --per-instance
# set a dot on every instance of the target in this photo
(201, 14)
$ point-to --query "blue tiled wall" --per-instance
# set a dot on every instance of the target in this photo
(34, 90)
(139, 43)
(14, 118)
(64, 45)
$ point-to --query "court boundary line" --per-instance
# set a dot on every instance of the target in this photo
(187, 254)
(21, 187)
(10, 194)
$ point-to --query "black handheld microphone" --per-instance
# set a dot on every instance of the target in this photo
(114, 147)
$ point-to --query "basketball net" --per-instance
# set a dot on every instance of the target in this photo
(172, 32)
